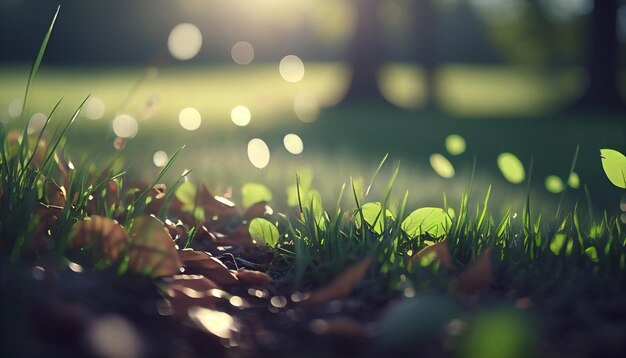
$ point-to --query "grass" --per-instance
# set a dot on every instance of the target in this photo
(468, 249)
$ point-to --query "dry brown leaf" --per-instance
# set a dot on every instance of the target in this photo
(441, 252)
(213, 269)
(186, 291)
(152, 249)
(215, 205)
(478, 275)
(253, 278)
(341, 287)
(192, 255)
(105, 236)
(56, 194)
(257, 210)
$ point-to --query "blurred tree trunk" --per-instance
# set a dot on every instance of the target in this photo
(602, 58)
(366, 54)
(426, 56)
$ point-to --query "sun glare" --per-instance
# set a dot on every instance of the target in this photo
(125, 126)
(291, 68)
(258, 153)
(242, 53)
(189, 118)
(185, 41)
(241, 116)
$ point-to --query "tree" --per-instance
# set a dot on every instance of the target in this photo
(366, 54)
(602, 58)
(426, 33)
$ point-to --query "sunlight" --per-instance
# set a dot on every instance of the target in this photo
(125, 126)
(307, 107)
(291, 68)
(185, 41)
(114, 336)
(189, 118)
(219, 323)
(293, 143)
(15, 108)
(36, 123)
(242, 53)
(94, 108)
(258, 153)
(241, 116)
(160, 158)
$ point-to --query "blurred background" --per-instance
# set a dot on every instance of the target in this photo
(503, 91)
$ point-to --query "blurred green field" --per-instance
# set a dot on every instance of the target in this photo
(496, 109)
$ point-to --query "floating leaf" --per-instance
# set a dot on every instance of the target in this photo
(253, 193)
(455, 144)
(264, 231)
(105, 236)
(442, 166)
(152, 249)
(554, 184)
(511, 168)
(372, 215)
(438, 251)
(614, 165)
(341, 287)
(432, 221)
(478, 275)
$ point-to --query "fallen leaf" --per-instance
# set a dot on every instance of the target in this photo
(341, 287)
(253, 278)
(478, 275)
(438, 251)
(152, 249)
(55, 194)
(213, 269)
(192, 255)
(186, 291)
(105, 236)
(258, 210)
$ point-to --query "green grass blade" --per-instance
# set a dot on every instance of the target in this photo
(35, 69)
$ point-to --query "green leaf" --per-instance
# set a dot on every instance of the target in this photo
(262, 230)
(372, 215)
(511, 168)
(592, 253)
(253, 193)
(186, 193)
(614, 165)
(432, 221)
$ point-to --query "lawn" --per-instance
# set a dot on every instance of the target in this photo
(450, 253)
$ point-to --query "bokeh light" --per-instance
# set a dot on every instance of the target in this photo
(15, 108)
(114, 336)
(185, 41)
(442, 166)
(219, 323)
(307, 107)
(291, 68)
(293, 143)
(189, 118)
(241, 116)
(511, 168)
(94, 108)
(36, 123)
(258, 153)
(455, 144)
(242, 53)
(125, 126)
(554, 184)
(160, 158)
